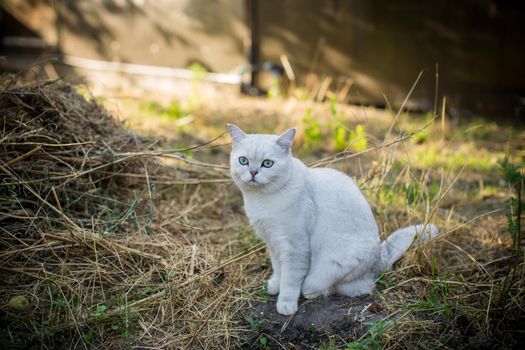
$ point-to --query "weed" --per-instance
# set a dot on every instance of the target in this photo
(275, 91)
(266, 295)
(415, 192)
(151, 107)
(99, 311)
(255, 324)
(374, 336)
(432, 304)
(256, 327)
(504, 298)
(263, 341)
(312, 130)
(343, 138)
(389, 194)
(174, 111)
(198, 74)
(420, 137)
(87, 337)
(340, 137)
(514, 176)
(386, 280)
(357, 138)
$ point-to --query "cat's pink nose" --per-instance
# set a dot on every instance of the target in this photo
(253, 173)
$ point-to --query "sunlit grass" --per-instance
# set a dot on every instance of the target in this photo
(445, 173)
(461, 155)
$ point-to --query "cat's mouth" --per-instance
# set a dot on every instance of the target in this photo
(253, 182)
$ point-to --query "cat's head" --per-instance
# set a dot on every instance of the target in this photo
(260, 162)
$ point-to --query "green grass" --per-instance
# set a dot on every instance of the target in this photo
(173, 111)
(467, 155)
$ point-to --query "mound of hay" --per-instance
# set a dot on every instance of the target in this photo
(98, 255)
(59, 158)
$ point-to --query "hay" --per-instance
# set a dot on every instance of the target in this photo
(82, 237)
(59, 158)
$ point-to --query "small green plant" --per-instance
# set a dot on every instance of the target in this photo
(265, 290)
(388, 195)
(174, 111)
(357, 139)
(256, 327)
(87, 337)
(386, 280)
(254, 323)
(432, 304)
(415, 192)
(374, 337)
(275, 91)
(420, 137)
(150, 107)
(312, 130)
(198, 74)
(438, 300)
(340, 138)
(263, 341)
(99, 311)
(514, 175)
(341, 135)
(61, 303)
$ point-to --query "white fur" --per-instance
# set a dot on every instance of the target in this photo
(321, 234)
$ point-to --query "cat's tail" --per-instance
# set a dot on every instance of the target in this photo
(399, 241)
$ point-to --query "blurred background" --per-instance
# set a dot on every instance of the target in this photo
(360, 52)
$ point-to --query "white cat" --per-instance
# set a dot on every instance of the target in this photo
(319, 228)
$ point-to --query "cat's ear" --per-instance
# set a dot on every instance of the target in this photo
(286, 139)
(236, 133)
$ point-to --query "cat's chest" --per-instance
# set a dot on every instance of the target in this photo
(272, 206)
(265, 215)
(276, 215)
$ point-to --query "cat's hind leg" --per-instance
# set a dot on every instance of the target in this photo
(313, 295)
(359, 286)
(327, 274)
(322, 277)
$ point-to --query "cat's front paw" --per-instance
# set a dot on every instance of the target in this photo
(286, 307)
(273, 286)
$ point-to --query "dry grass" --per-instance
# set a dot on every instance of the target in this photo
(116, 242)
(84, 241)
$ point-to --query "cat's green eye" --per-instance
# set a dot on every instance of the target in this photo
(243, 160)
(267, 163)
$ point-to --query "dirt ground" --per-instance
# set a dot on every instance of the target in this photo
(318, 320)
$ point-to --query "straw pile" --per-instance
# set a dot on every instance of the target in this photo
(60, 160)
(87, 258)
